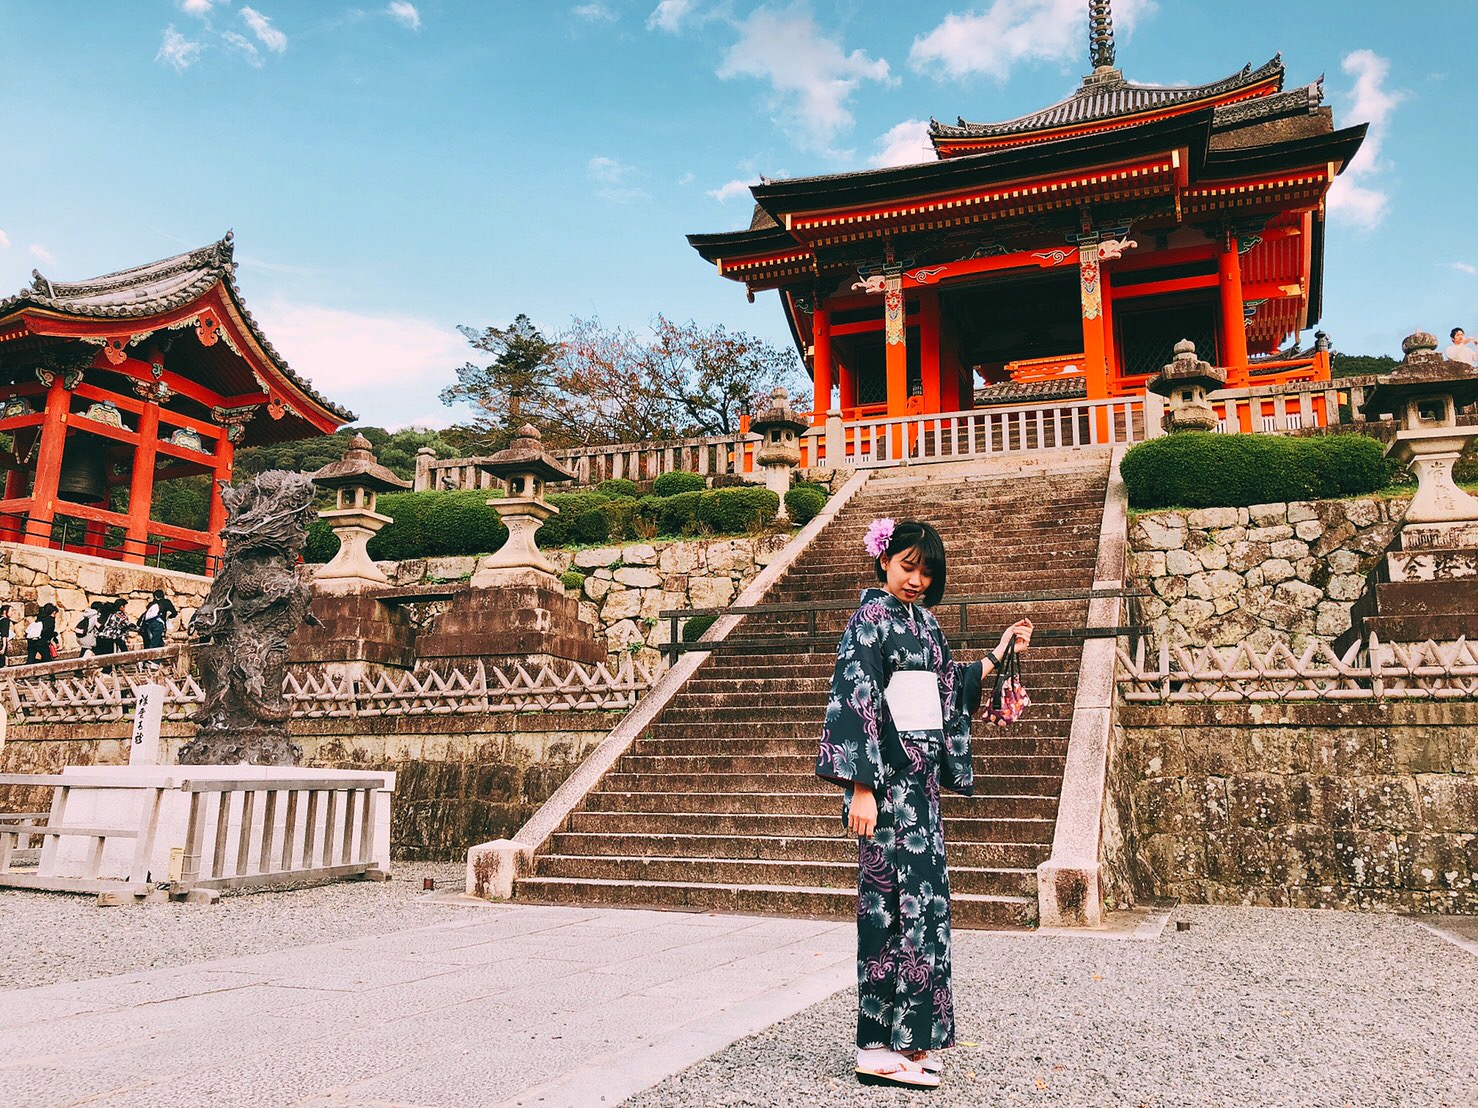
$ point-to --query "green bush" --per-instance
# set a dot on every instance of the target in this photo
(620, 511)
(581, 519)
(672, 515)
(572, 579)
(1195, 469)
(803, 504)
(617, 486)
(322, 543)
(731, 511)
(436, 524)
(670, 484)
(693, 629)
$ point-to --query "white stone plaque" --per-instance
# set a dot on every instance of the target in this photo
(148, 714)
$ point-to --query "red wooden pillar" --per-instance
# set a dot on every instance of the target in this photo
(1095, 344)
(225, 454)
(931, 367)
(1233, 322)
(895, 331)
(1113, 370)
(846, 385)
(821, 364)
(49, 463)
(15, 483)
(141, 485)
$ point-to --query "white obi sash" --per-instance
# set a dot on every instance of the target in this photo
(913, 700)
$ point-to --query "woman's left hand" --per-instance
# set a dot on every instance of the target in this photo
(1021, 632)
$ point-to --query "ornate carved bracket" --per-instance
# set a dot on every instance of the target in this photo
(69, 367)
(234, 419)
(156, 391)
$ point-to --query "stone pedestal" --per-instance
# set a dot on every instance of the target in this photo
(357, 633)
(526, 617)
(351, 569)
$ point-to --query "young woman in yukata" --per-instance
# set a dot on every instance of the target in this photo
(897, 729)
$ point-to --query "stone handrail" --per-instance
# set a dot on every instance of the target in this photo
(1368, 670)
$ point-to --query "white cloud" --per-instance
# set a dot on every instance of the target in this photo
(595, 13)
(40, 253)
(406, 13)
(730, 189)
(615, 179)
(4, 241)
(1356, 196)
(811, 77)
(687, 178)
(177, 50)
(669, 15)
(261, 26)
(244, 46)
(1460, 267)
(381, 366)
(992, 42)
(198, 8)
(907, 143)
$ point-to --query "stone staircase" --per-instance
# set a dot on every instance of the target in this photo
(717, 806)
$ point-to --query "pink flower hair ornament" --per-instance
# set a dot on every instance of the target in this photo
(879, 535)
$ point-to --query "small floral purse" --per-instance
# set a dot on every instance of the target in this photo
(1008, 699)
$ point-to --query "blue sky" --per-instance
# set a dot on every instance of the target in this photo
(392, 170)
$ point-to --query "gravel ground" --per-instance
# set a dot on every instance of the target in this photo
(47, 938)
(1250, 1006)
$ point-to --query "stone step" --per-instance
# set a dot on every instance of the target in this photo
(966, 910)
(837, 848)
(803, 781)
(762, 872)
(957, 828)
(805, 803)
(1032, 725)
(803, 762)
(991, 744)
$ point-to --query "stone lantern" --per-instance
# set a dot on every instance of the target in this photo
(523, 469)
(1185, 383)
(780, 452)
(1424, 392)
(356, 479)
(1426, 585)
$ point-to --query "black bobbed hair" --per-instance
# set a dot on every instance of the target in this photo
(910, 534)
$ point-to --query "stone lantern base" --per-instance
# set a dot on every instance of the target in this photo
(356, 633)
(529, 621)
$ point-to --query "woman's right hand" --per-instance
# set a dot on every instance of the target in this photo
(1021, 633)
(863, 814)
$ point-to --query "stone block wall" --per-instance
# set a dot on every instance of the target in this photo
(1269, 573)
(31, 576)
(1349, 805)
(462, 779)
(624, 587)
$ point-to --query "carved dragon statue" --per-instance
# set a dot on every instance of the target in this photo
(256, 601)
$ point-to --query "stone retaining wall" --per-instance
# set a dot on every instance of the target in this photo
(462, 779)
(31, 576)
(1368, 805)
(1270, 573)
(624, 587)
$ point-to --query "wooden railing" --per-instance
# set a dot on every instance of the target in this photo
(82, 692)
(1367, 670)
(334, 838)
(17, 829)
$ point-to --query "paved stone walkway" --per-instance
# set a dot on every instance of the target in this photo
(513, 1006)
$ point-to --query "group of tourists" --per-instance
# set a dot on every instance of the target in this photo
(103, 628)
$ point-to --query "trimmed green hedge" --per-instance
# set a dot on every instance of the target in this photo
(670, 484)
(1195, 469)
(617, 486)
(803, 504)
(729, 511)
(434, 524)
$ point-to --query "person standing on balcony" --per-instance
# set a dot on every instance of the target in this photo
(1463, 349)
(115, 628)
(897, 729)
(7, 630)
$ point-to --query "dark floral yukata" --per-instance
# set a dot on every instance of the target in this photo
(904, 995)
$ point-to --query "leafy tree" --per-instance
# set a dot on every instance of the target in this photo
(1360, 365)
(511, 389)
(396, 451)
(712, 376)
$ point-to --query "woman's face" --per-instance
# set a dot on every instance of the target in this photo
(907, 579)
